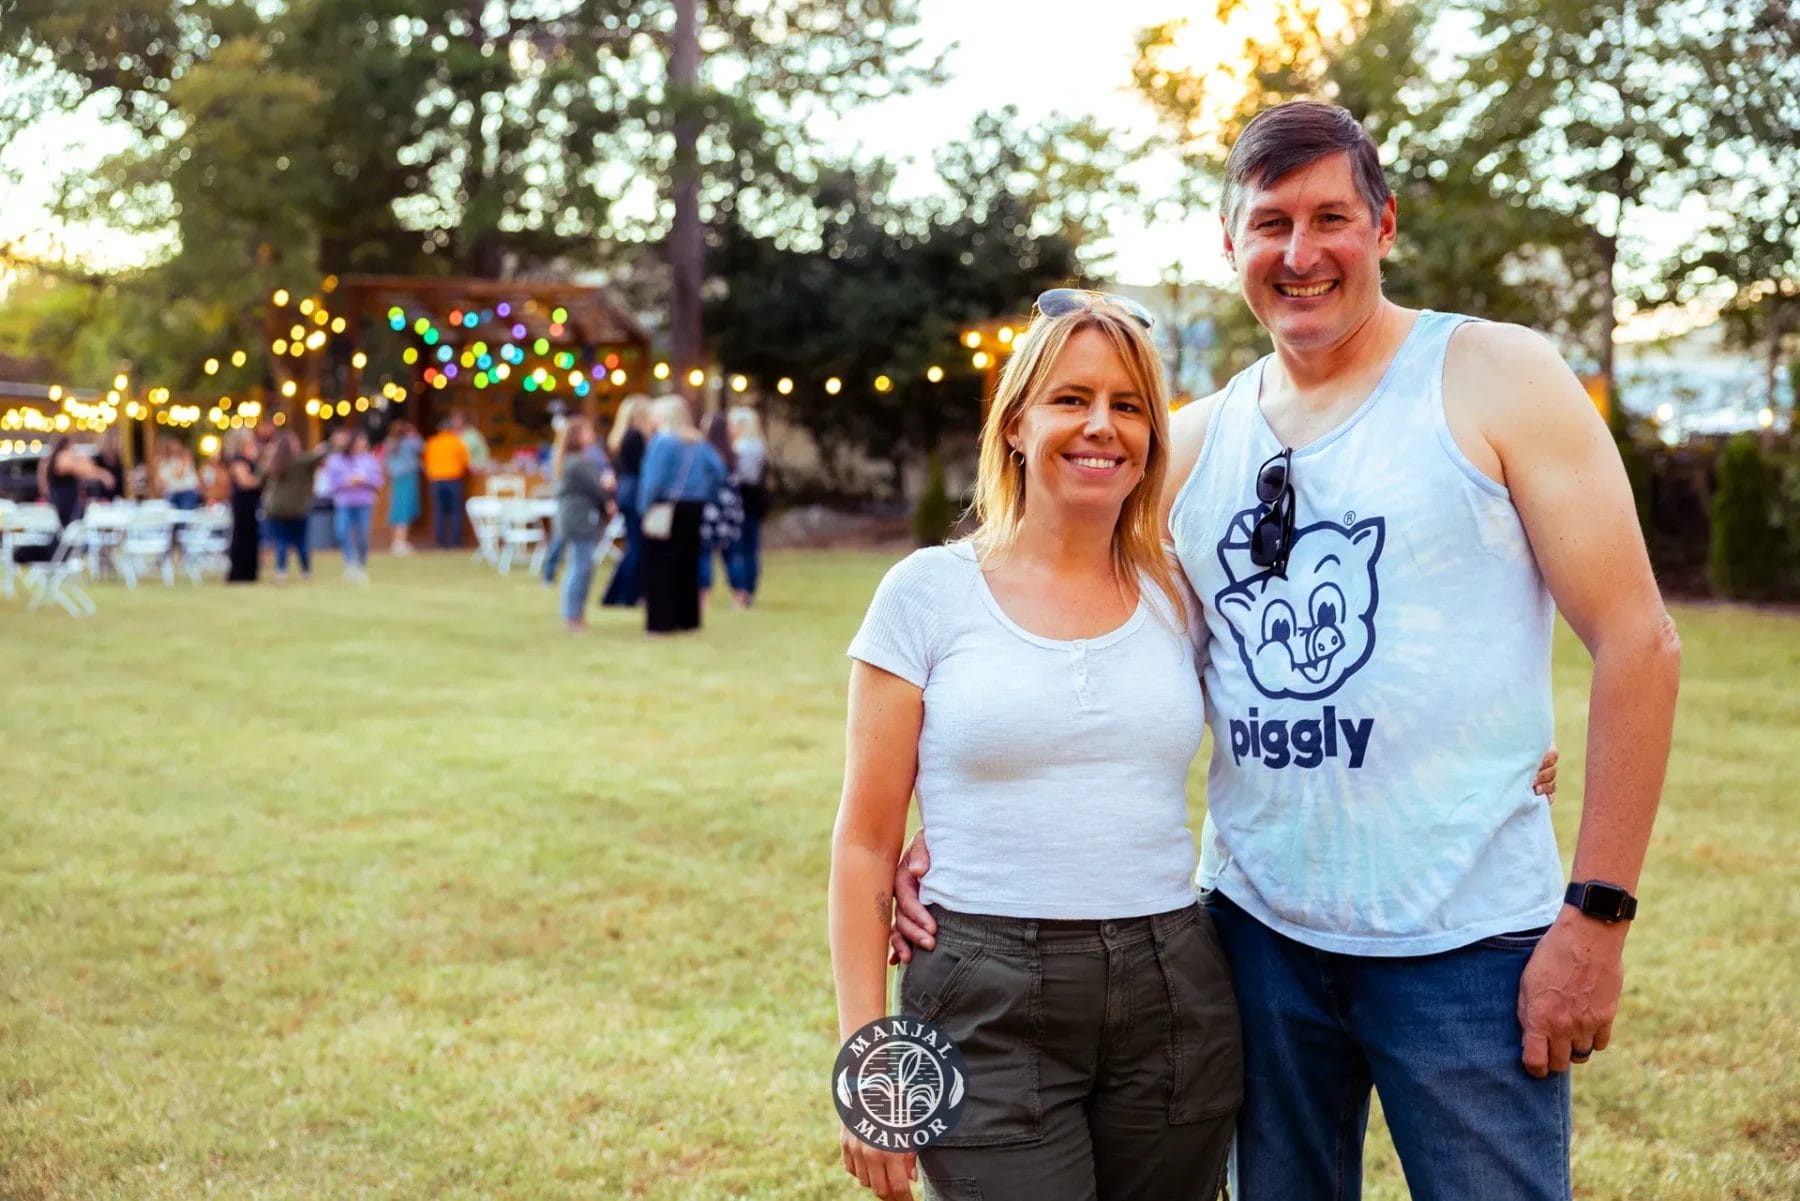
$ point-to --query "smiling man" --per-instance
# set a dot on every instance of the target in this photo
(1382, 518)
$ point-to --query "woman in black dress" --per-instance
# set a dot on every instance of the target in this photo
(246, 495)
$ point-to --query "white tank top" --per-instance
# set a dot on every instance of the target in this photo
(1378, 715)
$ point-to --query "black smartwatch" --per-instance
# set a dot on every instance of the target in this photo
(1602, 901)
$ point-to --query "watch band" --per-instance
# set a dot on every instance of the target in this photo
(1602, 900)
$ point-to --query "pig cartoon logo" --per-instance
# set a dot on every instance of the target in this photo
(1303, 636)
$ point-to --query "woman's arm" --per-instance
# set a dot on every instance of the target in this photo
(881, 763)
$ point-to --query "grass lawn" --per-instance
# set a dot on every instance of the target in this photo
(334, 892)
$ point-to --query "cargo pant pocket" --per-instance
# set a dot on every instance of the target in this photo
(990, 1006)
(1206, 1050)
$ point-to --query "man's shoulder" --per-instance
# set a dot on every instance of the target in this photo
(1496, 351)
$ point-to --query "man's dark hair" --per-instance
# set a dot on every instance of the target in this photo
(1290, 136)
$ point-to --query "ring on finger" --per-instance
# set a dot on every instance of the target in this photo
(1581, 1055)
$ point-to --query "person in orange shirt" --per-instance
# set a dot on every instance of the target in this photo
(446, 466)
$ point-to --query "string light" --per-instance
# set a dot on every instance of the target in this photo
(934, 373)
(696, 377)
(784, 385)
(280, 298)
(834, 385)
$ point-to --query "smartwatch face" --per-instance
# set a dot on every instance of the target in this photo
(1604, 900)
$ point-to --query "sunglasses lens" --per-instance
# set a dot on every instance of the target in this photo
(1058, 301)
(1271, 482)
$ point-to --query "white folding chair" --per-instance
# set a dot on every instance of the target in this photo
(506, 486)
(521, 527)
(103, 532)
(148, 544)
(58, 578)
(205, 542)
(485, 518)
(8, 569)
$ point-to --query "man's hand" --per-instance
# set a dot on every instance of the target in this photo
(1569, 993)
(889, 1173)
(913, 922)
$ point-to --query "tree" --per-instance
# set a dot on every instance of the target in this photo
(1463, 244)
(883, 294)
(1588, 105)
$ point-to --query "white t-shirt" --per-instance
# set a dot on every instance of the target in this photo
(1052, 774)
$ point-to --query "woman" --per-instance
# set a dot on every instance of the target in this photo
(246, 496)
(743, 558)
(176, 477)
(722, 519)
(625, 443)
(405, 453)
(581, 509)
(110, 458)
(680, 470)
(353, 478)
(1041, 677)
(61, 474)
(288, 498)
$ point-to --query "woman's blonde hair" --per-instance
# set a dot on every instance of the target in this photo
(672, 413)
(999, 495)
(625, 419)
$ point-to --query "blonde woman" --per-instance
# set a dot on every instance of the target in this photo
(1037, 687)
(625, 444)
(682, 471)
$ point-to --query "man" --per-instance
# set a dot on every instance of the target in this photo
(1377, 519)
(446, 463)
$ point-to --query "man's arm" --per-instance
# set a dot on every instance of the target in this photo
(1557, 459)
(1187, 434)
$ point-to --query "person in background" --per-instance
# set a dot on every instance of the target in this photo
(582, 506)
(63, 472)
(626, 443)
(176, 477)
(480, 459)
(215, 481)
(405, 452)
(111, 460)
(446, 461)
(743, 558)
(722, 519)
(680, 468)
(288, 496)
(246, 496)
(560, 450)
(353, 477)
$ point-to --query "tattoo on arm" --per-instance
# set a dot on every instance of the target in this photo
(884, 907)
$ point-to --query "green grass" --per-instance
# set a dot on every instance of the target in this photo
(332, 892)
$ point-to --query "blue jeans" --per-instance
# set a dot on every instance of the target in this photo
(290, 534)
(352, 525)
(1436, 1035)
(447, 513)
(581, 577)
(743, 558)
(553, 557)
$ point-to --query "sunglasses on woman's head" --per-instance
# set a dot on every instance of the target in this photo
(1058, 302)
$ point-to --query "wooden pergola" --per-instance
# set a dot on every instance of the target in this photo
(609, 348)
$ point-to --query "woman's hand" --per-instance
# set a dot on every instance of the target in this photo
(889, 1173)
(1545, 783)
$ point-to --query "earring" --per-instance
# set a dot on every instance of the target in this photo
(1018, 456)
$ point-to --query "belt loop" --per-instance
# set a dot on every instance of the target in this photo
(1031, 933)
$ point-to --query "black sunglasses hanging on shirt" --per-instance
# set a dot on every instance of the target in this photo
(1272, 537)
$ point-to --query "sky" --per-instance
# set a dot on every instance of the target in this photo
(1003, 54)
